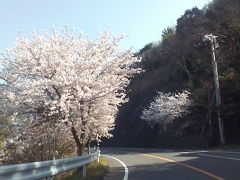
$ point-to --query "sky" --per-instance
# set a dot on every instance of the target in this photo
(142, 21)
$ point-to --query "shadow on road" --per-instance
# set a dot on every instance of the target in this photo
(122, 151)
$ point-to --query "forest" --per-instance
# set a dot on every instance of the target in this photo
(179, 61)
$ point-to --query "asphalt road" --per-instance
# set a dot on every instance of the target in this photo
(156, 164)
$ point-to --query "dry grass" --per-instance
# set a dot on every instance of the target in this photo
(95, 171)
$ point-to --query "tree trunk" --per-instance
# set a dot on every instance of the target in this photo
(88, 146)
(210, 124)
(80, 146)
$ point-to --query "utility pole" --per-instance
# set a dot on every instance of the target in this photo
(215, 45)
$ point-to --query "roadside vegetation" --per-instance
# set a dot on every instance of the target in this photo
(95, 171)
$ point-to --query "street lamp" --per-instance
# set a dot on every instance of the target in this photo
(215, 45)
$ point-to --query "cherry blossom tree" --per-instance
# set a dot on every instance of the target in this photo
(68, 82)
(166, 107)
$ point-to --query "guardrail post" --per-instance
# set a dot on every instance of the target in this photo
(98, 155)
(84, 171)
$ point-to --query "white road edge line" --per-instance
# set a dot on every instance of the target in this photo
(220, 157)
(204, 151)
(230, 152)
(191, 152)
(124, 165)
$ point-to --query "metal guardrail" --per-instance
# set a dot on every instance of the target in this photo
(42, 169)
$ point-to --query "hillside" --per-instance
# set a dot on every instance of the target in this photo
(181, 60)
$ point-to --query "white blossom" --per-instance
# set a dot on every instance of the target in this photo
(65, 81)
(166, 107)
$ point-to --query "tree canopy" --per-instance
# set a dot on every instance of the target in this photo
(64, 84)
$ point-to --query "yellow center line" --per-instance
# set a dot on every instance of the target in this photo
(185, 165)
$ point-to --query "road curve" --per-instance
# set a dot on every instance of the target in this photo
(156, 164)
